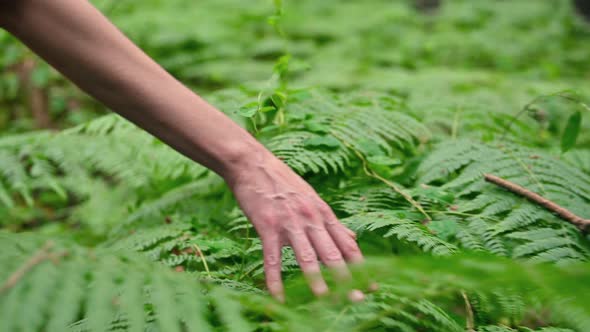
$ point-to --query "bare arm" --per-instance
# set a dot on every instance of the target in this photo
(82, 44)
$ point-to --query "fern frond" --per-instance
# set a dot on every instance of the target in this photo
(504, 277)
(390, 310)
(400, 225)
(109, 289)
(579, 158)
(497, 220)
(366, 198)
(88, 165)
(341, 119)
(168, 199)
(290, 147)
(499, 303)
(176, 245)
(548, 244)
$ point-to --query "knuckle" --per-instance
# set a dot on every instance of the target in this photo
(273, 280)
(269, 219)
(333, 255)
(332, 222)
(305, 211)
(325, 209)
(274, 285)
(316, 227)
(295, 230)
(267, 235)
(272, 260)
(350, 246)
(307, 255)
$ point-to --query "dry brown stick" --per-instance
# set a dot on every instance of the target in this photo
(581, 223)
(37, 258)
(38, 97)
(470, 321)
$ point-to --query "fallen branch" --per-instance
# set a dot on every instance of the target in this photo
(581, 223)
(38, 257)
(470, 321)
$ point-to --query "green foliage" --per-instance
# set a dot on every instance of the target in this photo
(403, 226)
(500, 222)
(108, 289)
(77, 164)
(406, 113)
(571, 131)
(112, 289)
(334, 123)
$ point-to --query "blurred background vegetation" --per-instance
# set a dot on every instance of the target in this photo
(428, 95)
(461, 54)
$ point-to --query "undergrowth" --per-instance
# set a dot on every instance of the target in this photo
(392, 116)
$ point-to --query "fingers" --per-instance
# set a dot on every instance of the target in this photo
(345, 239)
(271, 247)
(331, 257)
(346, 243)
(315, 233)
(328, 252)
(349, 232)
(308, 261)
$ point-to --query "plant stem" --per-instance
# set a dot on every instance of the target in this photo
(369, 172)
(470, 324)
(200, 252)
(526, 108)
(464, 214)
(38, 257)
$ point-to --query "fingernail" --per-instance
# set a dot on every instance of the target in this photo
(321, 291)
(351, 233)
(280, 297)
(356, 296)
(373, 287)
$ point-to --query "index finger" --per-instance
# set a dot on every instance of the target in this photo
(308, 262)
(271, 248)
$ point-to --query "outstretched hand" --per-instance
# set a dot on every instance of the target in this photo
(285, 210)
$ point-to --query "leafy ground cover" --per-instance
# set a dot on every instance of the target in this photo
(392, 114)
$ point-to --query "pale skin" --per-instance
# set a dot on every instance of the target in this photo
(77, 40)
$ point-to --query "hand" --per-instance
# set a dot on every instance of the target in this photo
(285, 210)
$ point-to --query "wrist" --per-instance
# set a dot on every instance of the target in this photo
(244, 159)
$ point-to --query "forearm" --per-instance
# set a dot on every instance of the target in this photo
(82, 44)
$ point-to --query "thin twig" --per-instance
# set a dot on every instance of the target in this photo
(374, 175)
(527, 107)
(581, 223)
(404, 194)
(464, 214)
(37, 258)
(200, 253)
(470, 323)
